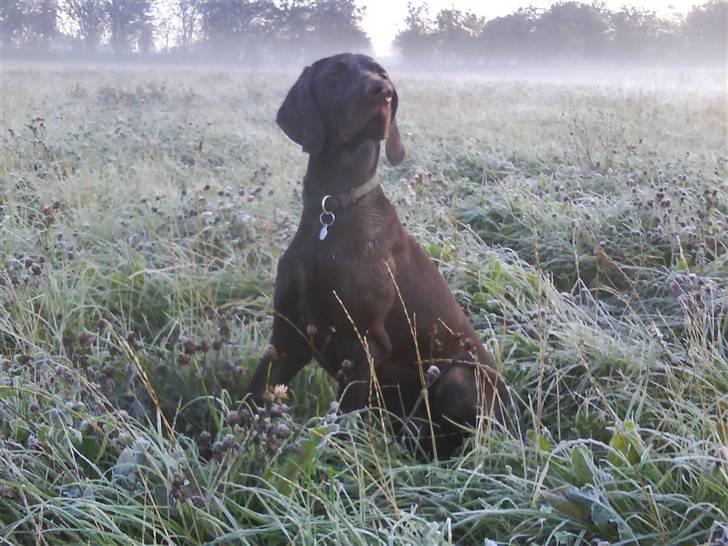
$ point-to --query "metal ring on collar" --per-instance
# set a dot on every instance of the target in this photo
(323, 204)
(326, 214)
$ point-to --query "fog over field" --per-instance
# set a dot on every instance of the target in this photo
(575, 200)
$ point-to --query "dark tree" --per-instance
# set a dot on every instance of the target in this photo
(456, 33)
(334, 26)
(572, 29)
(43, 22)
(146, 38)
(12, 24)
(705, 31)
(416, 41)
(126, 21)
(28, 24)
(511, 36)
(90, 18)
(236, 28)
(292, 21)
(250, 29)
(638, 35)
(189, 15)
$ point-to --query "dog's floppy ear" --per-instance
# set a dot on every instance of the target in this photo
(393, 147)
(300, 118)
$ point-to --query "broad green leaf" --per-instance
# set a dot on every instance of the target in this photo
(582, 463)
(6, 391)
(538, 440)
(300, 463)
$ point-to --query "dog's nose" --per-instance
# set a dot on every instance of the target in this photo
(376, 89)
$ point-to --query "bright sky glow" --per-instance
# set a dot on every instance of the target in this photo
(384, 18)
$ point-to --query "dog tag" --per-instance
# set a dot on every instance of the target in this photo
(326, 218)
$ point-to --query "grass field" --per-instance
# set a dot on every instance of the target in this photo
(142, 212)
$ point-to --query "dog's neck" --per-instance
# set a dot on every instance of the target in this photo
(341, 170)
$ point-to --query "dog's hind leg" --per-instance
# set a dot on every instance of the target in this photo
(461, 394)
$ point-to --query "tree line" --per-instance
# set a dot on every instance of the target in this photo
(180, 29)
(566, 30)
(262, 30)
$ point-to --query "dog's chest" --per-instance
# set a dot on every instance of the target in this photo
(341, 267)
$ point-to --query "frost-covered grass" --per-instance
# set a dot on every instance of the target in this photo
(584, 228)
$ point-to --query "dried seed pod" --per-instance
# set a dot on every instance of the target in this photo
(270, 354)
(178, 480)
(245, 417)
(189, 347)
(233, 418)
(282, 431)
(132, 340)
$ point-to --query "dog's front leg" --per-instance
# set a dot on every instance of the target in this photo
(288, 352)
(289, 349)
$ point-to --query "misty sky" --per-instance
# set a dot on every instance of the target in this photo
(384, 17)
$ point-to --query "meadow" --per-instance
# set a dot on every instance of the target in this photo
(583, 226)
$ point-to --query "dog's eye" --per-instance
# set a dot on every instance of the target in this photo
(384, 75)
(339, 69)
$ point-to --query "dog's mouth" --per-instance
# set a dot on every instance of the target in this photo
(375, 123)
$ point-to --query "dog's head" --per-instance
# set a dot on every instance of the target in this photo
(340, 100)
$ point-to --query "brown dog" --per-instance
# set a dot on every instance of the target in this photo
(354, 290)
